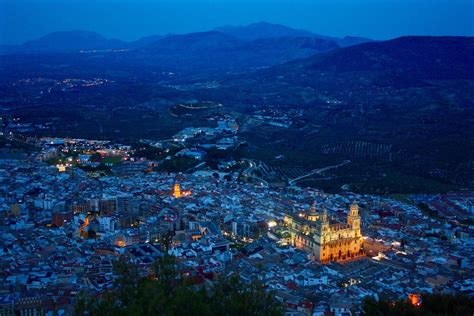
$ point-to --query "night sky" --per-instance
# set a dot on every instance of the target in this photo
(21, 20)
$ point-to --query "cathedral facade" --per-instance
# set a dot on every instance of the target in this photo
(327, 242)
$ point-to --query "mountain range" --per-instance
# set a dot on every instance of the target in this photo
(74, 41)
(267, 30)
(411, 94)
(216, 52)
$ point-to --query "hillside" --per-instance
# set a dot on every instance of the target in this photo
(261, 30)
(216, 51)
(401, 111)
(411, 95)
(418, 57)
(265, 30)
(68, 41)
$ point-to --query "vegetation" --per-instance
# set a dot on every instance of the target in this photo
(214, 156)
(112, 160)
(100, 168)
(432, 305)
(428, 211)
(147, 151)
(167, 292)
(177, 164)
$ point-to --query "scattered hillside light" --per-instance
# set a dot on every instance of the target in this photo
(61, 167)
(354, 281)
(272, 224)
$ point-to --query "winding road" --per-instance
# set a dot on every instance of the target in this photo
(317, 171)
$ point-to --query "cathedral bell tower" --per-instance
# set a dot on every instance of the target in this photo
(353, 219)
(323, 221)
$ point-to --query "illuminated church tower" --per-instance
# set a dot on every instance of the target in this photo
(353, 219)
(177, 190)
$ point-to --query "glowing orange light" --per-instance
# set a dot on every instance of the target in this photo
(415, 299)
(83, 226)
(177, 193)
(177, 190)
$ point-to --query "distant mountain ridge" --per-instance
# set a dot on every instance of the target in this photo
(69, 41)
(262, 30)
(73, 41)
(217, 50)
(194, 41)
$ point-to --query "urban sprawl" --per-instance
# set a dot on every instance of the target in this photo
(71, 207)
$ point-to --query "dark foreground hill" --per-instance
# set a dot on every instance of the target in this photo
(168, 292)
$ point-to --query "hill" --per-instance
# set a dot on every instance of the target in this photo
(201, 54)
(411, 96)
(216, 51)
(210, 40)
(264, 30)
(416, 57)
(68, 41)
(261, 30)
(401, 111)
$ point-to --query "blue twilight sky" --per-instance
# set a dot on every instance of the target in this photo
(21, 20)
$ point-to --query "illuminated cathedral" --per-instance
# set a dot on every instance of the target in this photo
(327, 242)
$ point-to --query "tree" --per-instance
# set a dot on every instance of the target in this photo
(432, 305)
(234, 297)
(167, 292)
